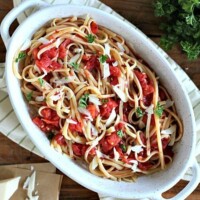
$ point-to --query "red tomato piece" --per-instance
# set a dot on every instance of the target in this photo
(94, 27)
(106, 147)
(106, 108)
(93, 110)
(38, 122)
(55, 65)
(119, 127)
(113, 139)
(148, 99)
(92, 63)
(114, 80)
(44, 63)
(62, 48)
(76, 127)
(52, 53)
(115, 71)
(144, 166)
(80, 149)
(60, 139)
(51, 122)
(46, 113)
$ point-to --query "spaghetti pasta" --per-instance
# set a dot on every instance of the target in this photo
(97, 100)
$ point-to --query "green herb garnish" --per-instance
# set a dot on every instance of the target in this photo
(41, 81)
(50, 136)
(159, 110)
(90, 38)
(103, 58)
(29, 96)
(75, 66)
(21, 55)
(139, 112)
(120, 133)
(181, 25)
(123, 147)
(83, 101)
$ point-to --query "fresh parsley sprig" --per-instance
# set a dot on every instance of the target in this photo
(90, 38)
(21, 56)
(41, 81)
(83, 101)
(159, 110)
(181, 25)
(120, 133)
(103, 58)
(29, 96)
(139, 112)
(75, 66)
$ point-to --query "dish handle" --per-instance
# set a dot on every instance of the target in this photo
(189, 188)
(6, 23)
(12, 15)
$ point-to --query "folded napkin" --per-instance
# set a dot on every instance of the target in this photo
(10, 126)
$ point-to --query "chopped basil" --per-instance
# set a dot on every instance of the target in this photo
(75, 66)
(120, 133)
(159, 110)
(41, 81)
(90, 38)
(83, 101)
(21, 55)
(123, 147)
(103, 58)
(139, 112)
(29, 96)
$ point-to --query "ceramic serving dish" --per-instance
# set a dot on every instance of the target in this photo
(151, 186)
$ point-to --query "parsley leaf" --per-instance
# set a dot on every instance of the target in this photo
(90, 38)
(139, 112)
(29, 96)
(83, 101)
(75, 66)
(103, 58)
(120, 133)
(123, 147)
(181, 25)
(21, 56)
(41, 81)
(159, 110)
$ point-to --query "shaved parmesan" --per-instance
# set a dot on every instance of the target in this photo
(107, 50)
(31, 187)
(115, 64)
(135, 164)
(120, 46)
(64, 80)
(111, 118)
(149, 110)
(26, 45)
(39, 98)
(120, 93)
(58, 42)
(99, 154)
(170, 130)
(106, 70)
(168, 103)
(43, 40)
(93, 99)
(84, 111)
(94, 130)
(71, 121)
(116, 154)
(74, 58)
(57, 96)
(94, 163)
(137, 148)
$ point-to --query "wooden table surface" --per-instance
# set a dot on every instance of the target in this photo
(140, 13)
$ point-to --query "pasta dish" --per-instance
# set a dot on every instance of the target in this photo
(97, 100)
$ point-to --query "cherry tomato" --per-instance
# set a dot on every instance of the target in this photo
(114, 71)
(106, 108)
(76, 127)
(113, 139)
(60, 139)
(44, 63)
(94, 27)
(92, 63)
(62, 48)
(93, 110)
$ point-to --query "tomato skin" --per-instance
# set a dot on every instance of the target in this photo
(107, 143)
(115, 71)
(92, 63)
(94, 27)
(80, 149)
(76, 127)
(93, 110)
(46, 113)
(62, 48)
(106, 108)
(143, 79)
(44, 63)
(60, 139)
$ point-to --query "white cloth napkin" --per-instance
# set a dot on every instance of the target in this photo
(11, 128)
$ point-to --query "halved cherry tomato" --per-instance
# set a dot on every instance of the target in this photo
(62, 48)
(114, 80)
(44, 63)
(94, 27)
(93, 110)
(37, 121)
(80, 149)
(113, 139)
(76, 127)
(114, 71)
(92, 63)
(106, 108)
(60, 139)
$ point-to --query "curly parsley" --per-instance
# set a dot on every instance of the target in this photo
(181, 26)
(90, 38)
(103, 58)
(120, 133)
(29, 96)
(75, 66)
(83, 101)
(21, 56)
(139, 112)
(159, 110)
